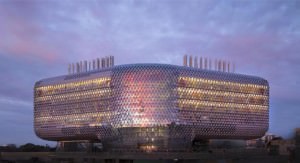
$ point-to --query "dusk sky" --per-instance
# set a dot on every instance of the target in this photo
(39, 38)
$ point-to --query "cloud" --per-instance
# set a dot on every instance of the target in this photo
(13, 101)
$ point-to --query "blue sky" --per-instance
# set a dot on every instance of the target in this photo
(39, 38)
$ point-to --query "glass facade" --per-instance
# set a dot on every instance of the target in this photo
(151, 106)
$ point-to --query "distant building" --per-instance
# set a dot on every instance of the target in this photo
(282, 147)
(150, 106)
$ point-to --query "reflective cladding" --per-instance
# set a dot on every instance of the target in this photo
(144, 96)
(151, 106)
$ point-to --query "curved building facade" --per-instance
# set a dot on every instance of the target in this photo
(151, 106)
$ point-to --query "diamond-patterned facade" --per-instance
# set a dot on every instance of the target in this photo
(151, 106)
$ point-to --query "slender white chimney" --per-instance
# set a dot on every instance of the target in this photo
(228, 67)
(196, 62)
(73, 68)
(102, 62)
(97, 63)
(69, 68)
(185, 60)
(85, 66)
(191, 61)
(216, 65)
(201, 63)
(77, 67)
(107, 61)
(111, 61)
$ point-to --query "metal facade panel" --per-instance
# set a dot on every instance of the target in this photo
(151, 106)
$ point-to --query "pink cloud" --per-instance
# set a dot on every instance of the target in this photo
(24, 38)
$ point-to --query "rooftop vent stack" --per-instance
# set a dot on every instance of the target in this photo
(185, 60)
(209, 64)
(216, 63)
(205, 63)
(69, 68)
(221, 65)
(77, 67)
(81, 67)
(93, 63)
(102, 63)
(200, 63)
(228, 67)
(191, 61)
(72, 68)
(98, 63)
(85, 66)
(221, 68)
(112, 60)
(107, 61)
(196, 62)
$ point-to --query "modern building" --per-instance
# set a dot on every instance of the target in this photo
(150, 106)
